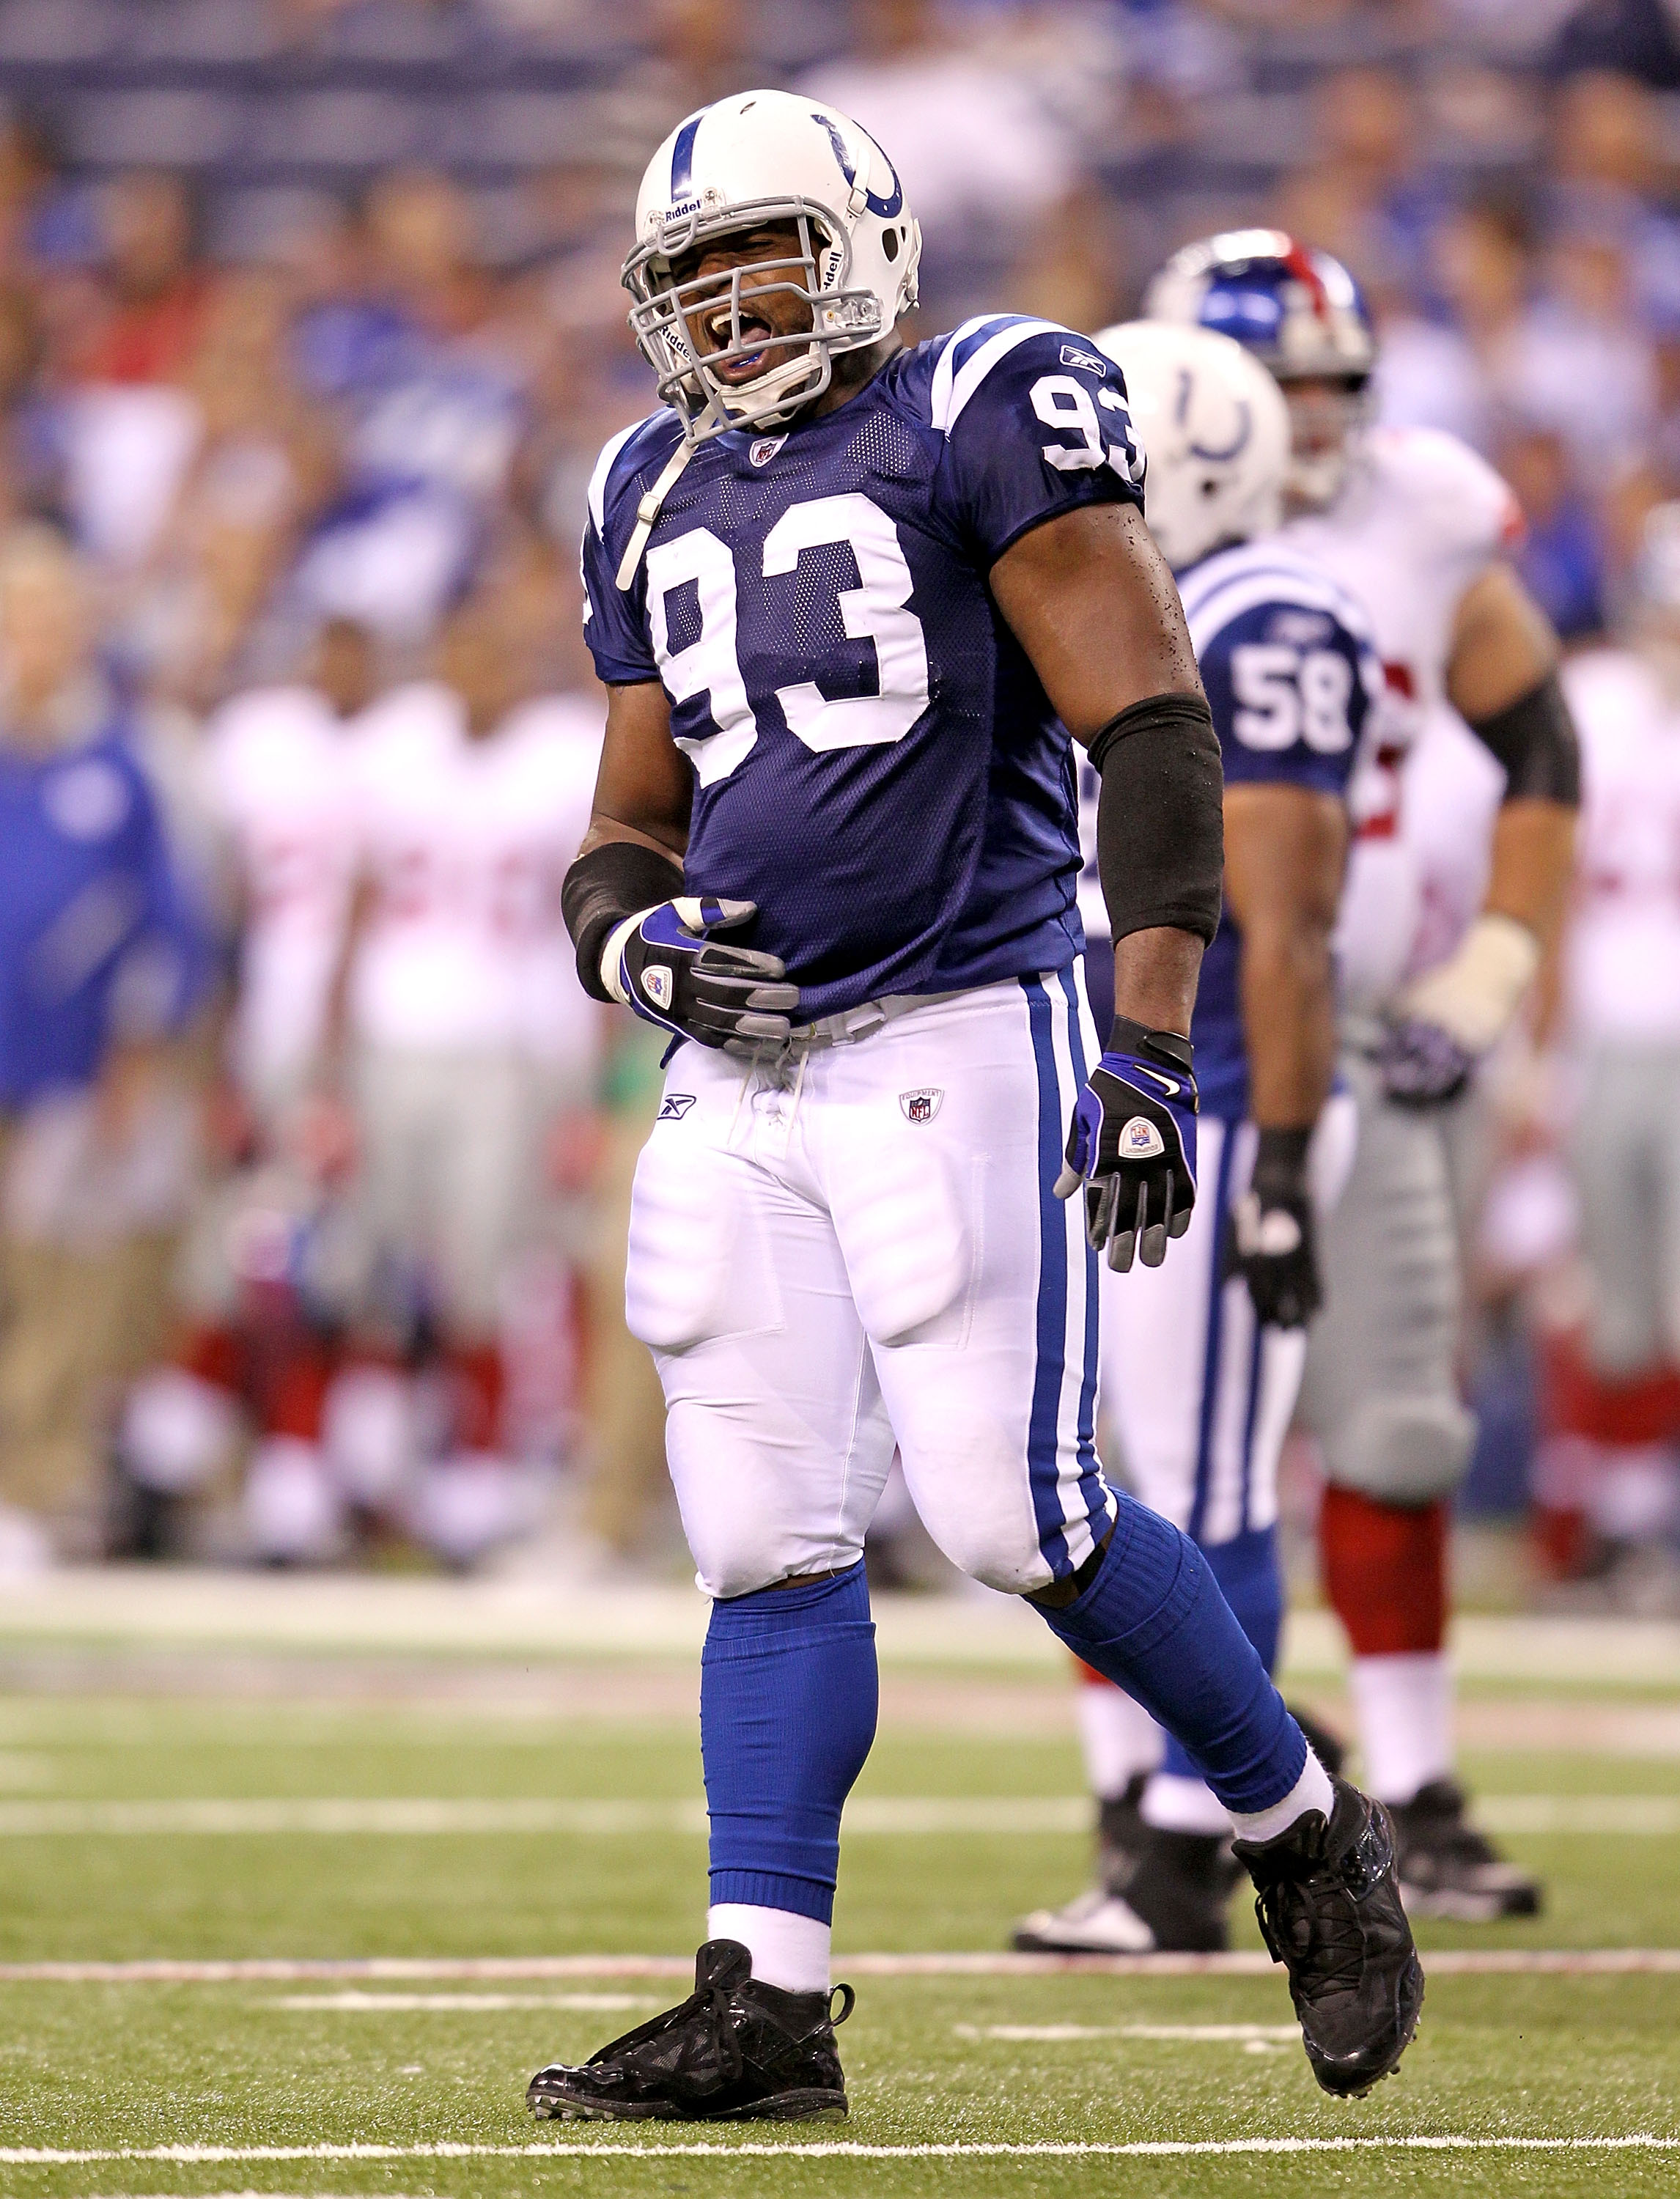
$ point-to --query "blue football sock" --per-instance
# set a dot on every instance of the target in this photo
(1247, 1571)
(1154, 1622)
(788, 1698)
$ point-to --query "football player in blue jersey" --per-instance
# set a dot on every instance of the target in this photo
(849, 600)
(1202, 1360)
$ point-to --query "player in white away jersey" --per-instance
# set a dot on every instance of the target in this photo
(472, 797)
(1621, 969)
(277, 766)
(1414, 524)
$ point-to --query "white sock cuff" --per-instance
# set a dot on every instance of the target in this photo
(1117, 1736)
(1174, 1804)
(787, 1950)
(1404, 1705)
(1311, 1791)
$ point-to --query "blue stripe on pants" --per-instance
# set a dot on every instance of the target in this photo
(1043, 1423)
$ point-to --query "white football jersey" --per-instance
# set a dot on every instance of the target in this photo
(1421, 517)
(277, 779)
(466, 842)
(1622, 957)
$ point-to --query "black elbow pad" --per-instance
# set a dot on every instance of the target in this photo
(1161, 816)
(617, 879)
(1534, 738)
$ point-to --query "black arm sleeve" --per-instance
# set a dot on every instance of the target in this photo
(1161, 816)
(601, 888)
(1535, 739)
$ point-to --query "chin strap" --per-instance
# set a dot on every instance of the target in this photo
(648, 511)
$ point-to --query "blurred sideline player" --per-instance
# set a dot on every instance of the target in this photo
(847, 599)
(277, 777)
(1201, 1359)
(1610, 1454)
(450, 1004)
(1414, 523)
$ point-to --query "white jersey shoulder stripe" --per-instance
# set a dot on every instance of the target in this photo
(945, 366)
(1227, 594)
(603, 466)
(950, 395)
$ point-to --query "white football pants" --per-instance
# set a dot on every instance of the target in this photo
(1200, 1397)
(840, 1249)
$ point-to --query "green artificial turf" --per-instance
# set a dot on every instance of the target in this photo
(106, 2068)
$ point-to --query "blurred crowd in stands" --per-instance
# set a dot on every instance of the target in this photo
(313, 1157)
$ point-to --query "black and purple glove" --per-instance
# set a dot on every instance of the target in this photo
(1132, 1144)
(666, 963)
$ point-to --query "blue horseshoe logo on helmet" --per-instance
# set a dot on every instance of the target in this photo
(887, 209)
(1238, 442)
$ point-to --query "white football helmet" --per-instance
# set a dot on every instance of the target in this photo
(754, 158)
(1215, 428)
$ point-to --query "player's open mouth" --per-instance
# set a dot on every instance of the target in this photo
(720, 335)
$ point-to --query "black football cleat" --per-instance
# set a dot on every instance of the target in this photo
(1448, 1869)
(1328, 1900)
(734, 2051)
(1157, 1892)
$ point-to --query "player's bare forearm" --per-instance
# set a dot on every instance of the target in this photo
(1091, 601)
(1285, 850)
(1155, 974)
(644, 788)
(1533, 860)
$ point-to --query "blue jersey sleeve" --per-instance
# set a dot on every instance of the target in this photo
(614, 619)
(1036, 423)
(1290, 689)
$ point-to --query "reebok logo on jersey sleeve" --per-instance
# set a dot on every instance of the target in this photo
(675, 1106)
(1072, 356)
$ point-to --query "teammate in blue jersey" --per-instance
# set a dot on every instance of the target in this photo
(849, 600)
(1202, 1360)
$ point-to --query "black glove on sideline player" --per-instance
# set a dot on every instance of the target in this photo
(1271, 1244)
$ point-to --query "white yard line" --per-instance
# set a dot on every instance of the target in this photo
(28, 2156)
(1485, 1962)
(870, 1817)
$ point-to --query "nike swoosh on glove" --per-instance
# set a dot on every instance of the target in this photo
(1132, 1144)
(1271, 1244)
(666, 964)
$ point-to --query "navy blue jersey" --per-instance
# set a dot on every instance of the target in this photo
(876, 762)
(94, 930)
(1291, 674)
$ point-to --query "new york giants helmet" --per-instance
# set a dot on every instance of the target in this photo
(756, 158)
(1302, 315)
(1216, 431)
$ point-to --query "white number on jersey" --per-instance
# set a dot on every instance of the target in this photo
(1061, 402)
(708, 665)
(1288, 695)
(876, 611)
(873, 612)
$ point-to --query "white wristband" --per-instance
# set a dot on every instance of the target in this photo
(1473, 996)
(613, 953)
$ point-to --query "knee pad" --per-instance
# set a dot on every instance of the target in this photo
(1403, 1450)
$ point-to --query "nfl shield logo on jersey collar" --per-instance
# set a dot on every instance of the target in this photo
(922, 1105)
(765, 449)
